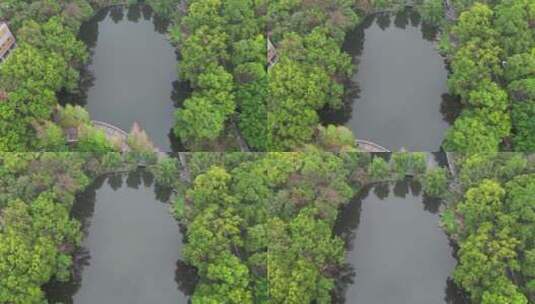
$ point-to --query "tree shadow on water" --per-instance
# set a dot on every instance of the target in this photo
(83, 210)
(401, 188)
(147, 12)
(382, 190)
(186, 277)
(115, 181)
(134, 13)
(345, 278)
(133, 179)
(401, 19)
(383, 20)
(431, 204)
(414, 17)
(455, 294)
(450, 107)
(415, 186)
(117, 13)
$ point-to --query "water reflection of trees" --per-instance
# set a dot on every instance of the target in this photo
(134, 13)
(116, 13)
(401, 19)
(414, 17)
(146, 10)
(186, 277)
(450, 107)
(382, 190)
(115, 181)
(181, 91)
(345, 227)
(383, 20)
(454, 294)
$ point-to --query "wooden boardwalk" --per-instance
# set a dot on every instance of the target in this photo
(368, 146)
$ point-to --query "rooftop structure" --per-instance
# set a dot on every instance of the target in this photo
(7, 41)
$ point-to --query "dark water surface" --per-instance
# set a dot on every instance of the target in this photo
(131, 250)
(133, 71)
(400, 97)
(396, 251)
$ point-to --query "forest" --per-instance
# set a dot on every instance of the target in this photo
(491, 218)
(222, 45)
(259, 226)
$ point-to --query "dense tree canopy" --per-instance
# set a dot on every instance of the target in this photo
(493, 50)
(223, 57)
(46, 61)
(311, 70)
(251, 218)
(37, 235)
(494, 227)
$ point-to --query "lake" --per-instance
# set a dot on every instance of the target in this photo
(132, 75)
(131, 252)
(396, 251)
(398, 97)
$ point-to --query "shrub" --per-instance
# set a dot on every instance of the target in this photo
(435, 182)
(379, 169)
